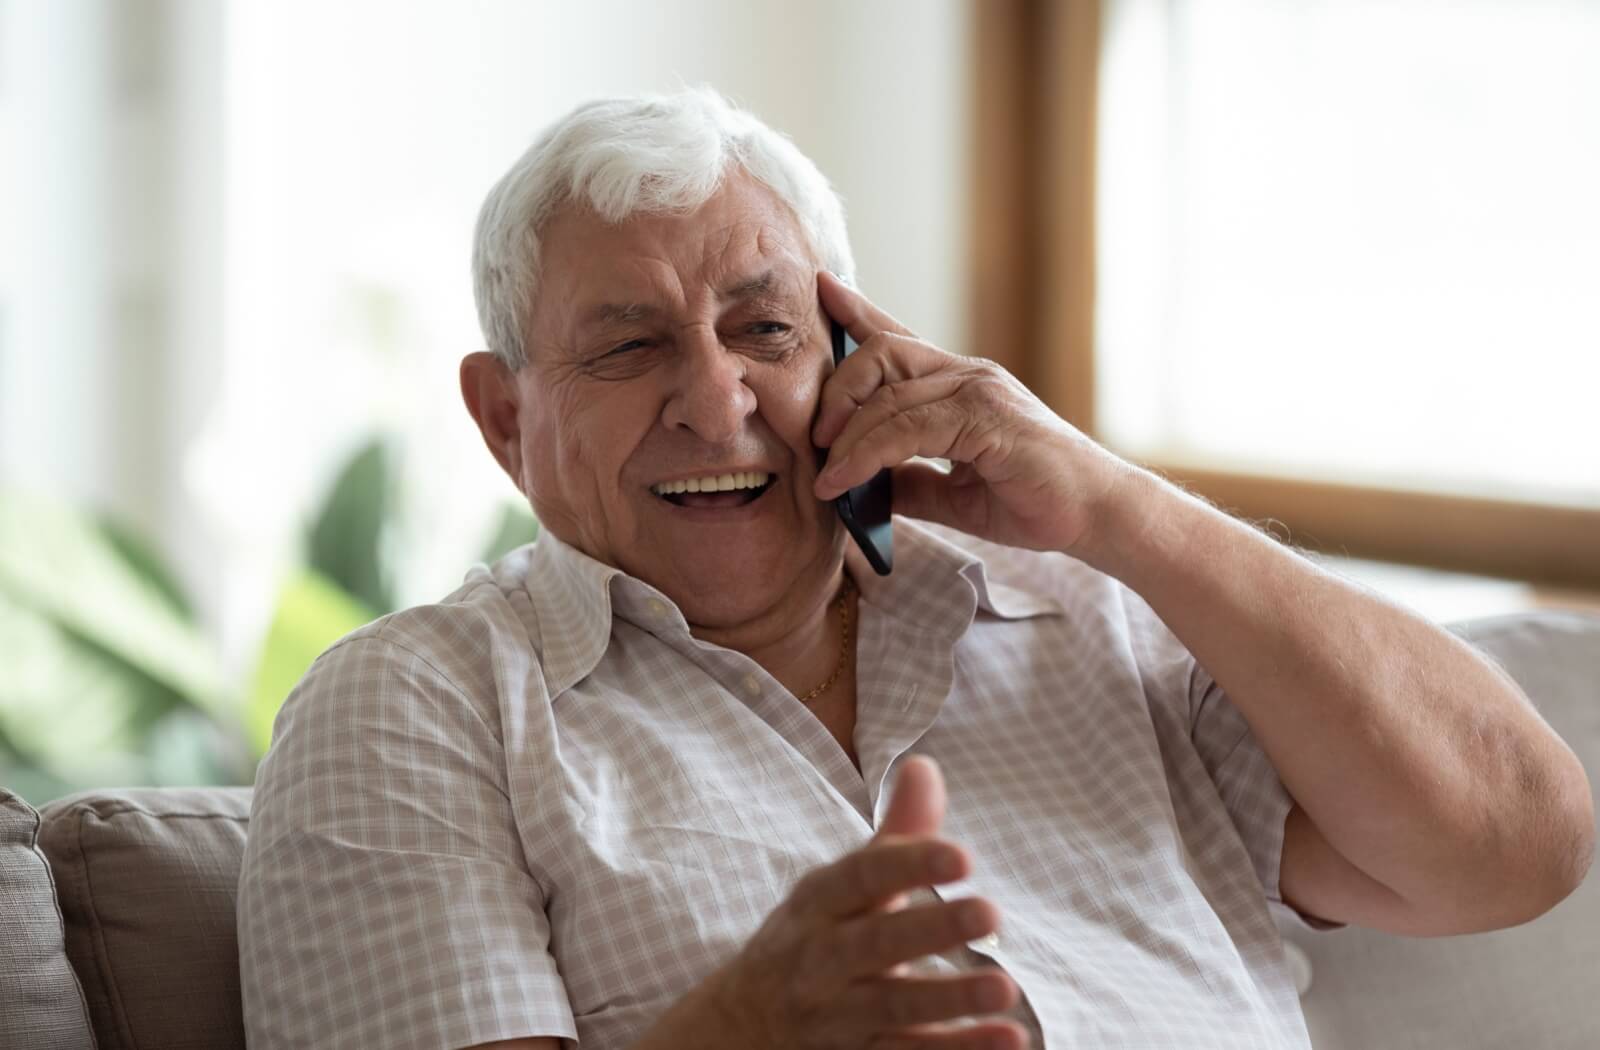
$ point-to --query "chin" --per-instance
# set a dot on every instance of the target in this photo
(722, 588)
(728, 585)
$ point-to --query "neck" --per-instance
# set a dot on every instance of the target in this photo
(796, 641)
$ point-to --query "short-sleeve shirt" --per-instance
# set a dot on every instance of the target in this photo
(541, 807)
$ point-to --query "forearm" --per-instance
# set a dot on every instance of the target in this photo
(1418, 760)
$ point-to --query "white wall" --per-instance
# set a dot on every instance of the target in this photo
(110, 283)
(346, 148)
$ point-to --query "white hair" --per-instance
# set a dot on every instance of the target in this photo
(656, 153)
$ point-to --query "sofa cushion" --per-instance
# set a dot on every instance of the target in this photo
(1532, 985)
(41, 1004)
(147, 881)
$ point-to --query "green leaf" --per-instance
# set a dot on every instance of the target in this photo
(346, 536)
(67, 708)
(57, 563)
(142, 559)
(516, 527)
(313, 612)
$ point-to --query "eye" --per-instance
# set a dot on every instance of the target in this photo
(631, 344)
(768, 328)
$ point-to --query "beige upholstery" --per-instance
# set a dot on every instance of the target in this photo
(40, 1005)
(147, 885)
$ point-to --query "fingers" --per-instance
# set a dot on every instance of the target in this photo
(889, 401)
(904, 1002)
(862, 881)
(877, 942)
(938, 429)
(917, 804)
(855, 311)
(986, 1035)
(889, 359)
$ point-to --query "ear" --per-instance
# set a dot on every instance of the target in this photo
(490, 390)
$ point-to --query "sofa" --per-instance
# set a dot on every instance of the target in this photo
(117, 914)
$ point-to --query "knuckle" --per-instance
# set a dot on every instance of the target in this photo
(877, 344)
(985, 388)
(891, 350)
(983, 432)
(911, 423)
(888, 398)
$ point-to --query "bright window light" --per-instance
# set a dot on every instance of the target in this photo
(1356, 241)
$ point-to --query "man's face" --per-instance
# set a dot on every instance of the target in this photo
(674, 348)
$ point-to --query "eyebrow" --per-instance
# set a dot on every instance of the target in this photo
(761, 284)
(619, 313)
(627, 313)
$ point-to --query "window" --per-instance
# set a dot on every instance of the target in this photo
(1333, 263)
(1355, 241)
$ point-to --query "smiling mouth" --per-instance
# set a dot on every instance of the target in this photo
(727, 490)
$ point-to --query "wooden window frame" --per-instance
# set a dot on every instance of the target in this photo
(1035, 103)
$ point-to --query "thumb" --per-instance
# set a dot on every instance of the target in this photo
(917, 805)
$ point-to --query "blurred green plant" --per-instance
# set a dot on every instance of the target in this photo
(110, 681)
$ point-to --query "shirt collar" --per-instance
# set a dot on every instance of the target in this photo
(941, 578)
(933, 557)
(572, 601)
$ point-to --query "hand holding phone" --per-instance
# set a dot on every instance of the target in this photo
(864, 509)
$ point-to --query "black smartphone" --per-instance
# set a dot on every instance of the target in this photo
(864, 509)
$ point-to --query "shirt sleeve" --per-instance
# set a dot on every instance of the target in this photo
(1252, 792)
(385, 899)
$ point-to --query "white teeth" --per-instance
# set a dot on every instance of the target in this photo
(744, 479)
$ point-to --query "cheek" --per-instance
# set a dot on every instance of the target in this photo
(541, 468)
(590, 433)
(788, 401)
(555, 440)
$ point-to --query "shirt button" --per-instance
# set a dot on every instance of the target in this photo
(752, 684)
(658, 608)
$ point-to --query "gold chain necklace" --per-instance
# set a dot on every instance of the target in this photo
(844, 643)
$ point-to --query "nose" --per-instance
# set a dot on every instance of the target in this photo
(709, 396)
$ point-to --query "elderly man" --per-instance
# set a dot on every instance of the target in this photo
(650, 782)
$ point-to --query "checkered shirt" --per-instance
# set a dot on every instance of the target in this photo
(540, 807)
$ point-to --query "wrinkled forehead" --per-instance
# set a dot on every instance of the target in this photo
(743, 243)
